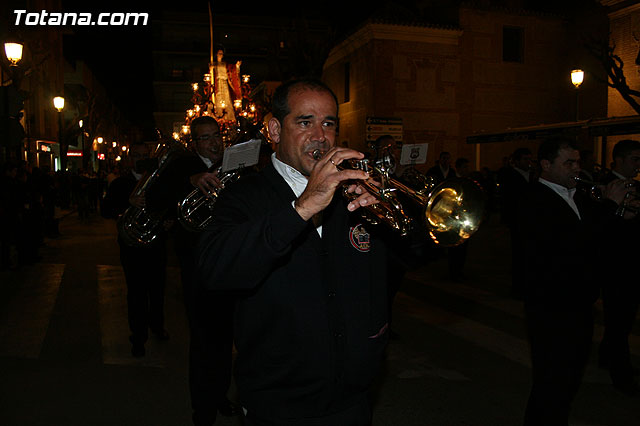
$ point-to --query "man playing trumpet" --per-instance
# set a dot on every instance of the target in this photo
(620, 290)
(311, 324)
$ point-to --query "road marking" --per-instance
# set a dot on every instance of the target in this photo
(514, 348)
(29, 304)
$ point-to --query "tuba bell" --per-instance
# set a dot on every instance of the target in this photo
(450, 212)
(195, 211)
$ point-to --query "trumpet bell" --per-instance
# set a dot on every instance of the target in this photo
(454, 211)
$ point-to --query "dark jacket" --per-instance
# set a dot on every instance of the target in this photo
(559, 249)
(311, 329)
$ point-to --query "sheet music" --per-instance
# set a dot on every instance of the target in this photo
(244, 154)
(414, 154)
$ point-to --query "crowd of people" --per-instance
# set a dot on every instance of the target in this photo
(32, 199)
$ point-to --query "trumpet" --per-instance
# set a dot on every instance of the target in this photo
(451, 212)
(195, 211)
(594, 190)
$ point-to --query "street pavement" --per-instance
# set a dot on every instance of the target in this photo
(461, 358)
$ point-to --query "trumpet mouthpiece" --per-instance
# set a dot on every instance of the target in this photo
(317, 154)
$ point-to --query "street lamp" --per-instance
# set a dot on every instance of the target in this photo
(13, 52)
(58, 103)
(577, 77)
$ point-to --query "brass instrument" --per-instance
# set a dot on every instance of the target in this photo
(195, 210)
(139, 227)
(594, 190)
(451, 211)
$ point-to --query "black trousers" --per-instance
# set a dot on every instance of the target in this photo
(145, 273)
(620, 306)
(210, 318)
(560, 343)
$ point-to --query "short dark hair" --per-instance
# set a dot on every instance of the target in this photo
(202, 120)
(519, 152)
(280, 101)
(461, 162)
(625, 147)
(550, 148)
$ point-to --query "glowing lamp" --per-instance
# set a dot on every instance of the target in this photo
(13, 52)
(58, 103)
(577, 77)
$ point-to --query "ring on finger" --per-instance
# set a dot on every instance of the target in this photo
(332, 162)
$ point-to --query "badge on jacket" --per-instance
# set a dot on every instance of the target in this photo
(359, 237)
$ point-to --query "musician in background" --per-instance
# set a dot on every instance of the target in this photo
(311, 327)
(442, 170)
(560, 230)
(209, 315)
(513, 181)
(620, 289)
(144, 267)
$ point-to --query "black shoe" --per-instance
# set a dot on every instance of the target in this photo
(161, 334)
(137, 350)
(628, 388)
(137, 347)
(228, 408)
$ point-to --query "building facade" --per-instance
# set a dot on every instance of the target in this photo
(497, 69)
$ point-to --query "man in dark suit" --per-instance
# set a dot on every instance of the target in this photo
(620, 289)
(210, 315)
(311, 327)
(442, 170)
(144, 266)
(559, 230)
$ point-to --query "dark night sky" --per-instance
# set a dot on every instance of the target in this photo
(121, 56)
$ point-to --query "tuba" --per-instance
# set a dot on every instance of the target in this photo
(450, 212)
(139, 227)
(195, 211)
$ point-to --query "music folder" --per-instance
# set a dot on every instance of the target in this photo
(241, 155)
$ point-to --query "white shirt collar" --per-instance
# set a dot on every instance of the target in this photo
(618, 175)
(205, 160)
(296, 180)
(524, 173)
(566, 194)
(138, 176)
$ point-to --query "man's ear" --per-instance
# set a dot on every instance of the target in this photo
(274, 129)
(545, 164)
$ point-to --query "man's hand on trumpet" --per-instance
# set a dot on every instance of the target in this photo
(622, 191)
(325, 178)
(206, 182)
